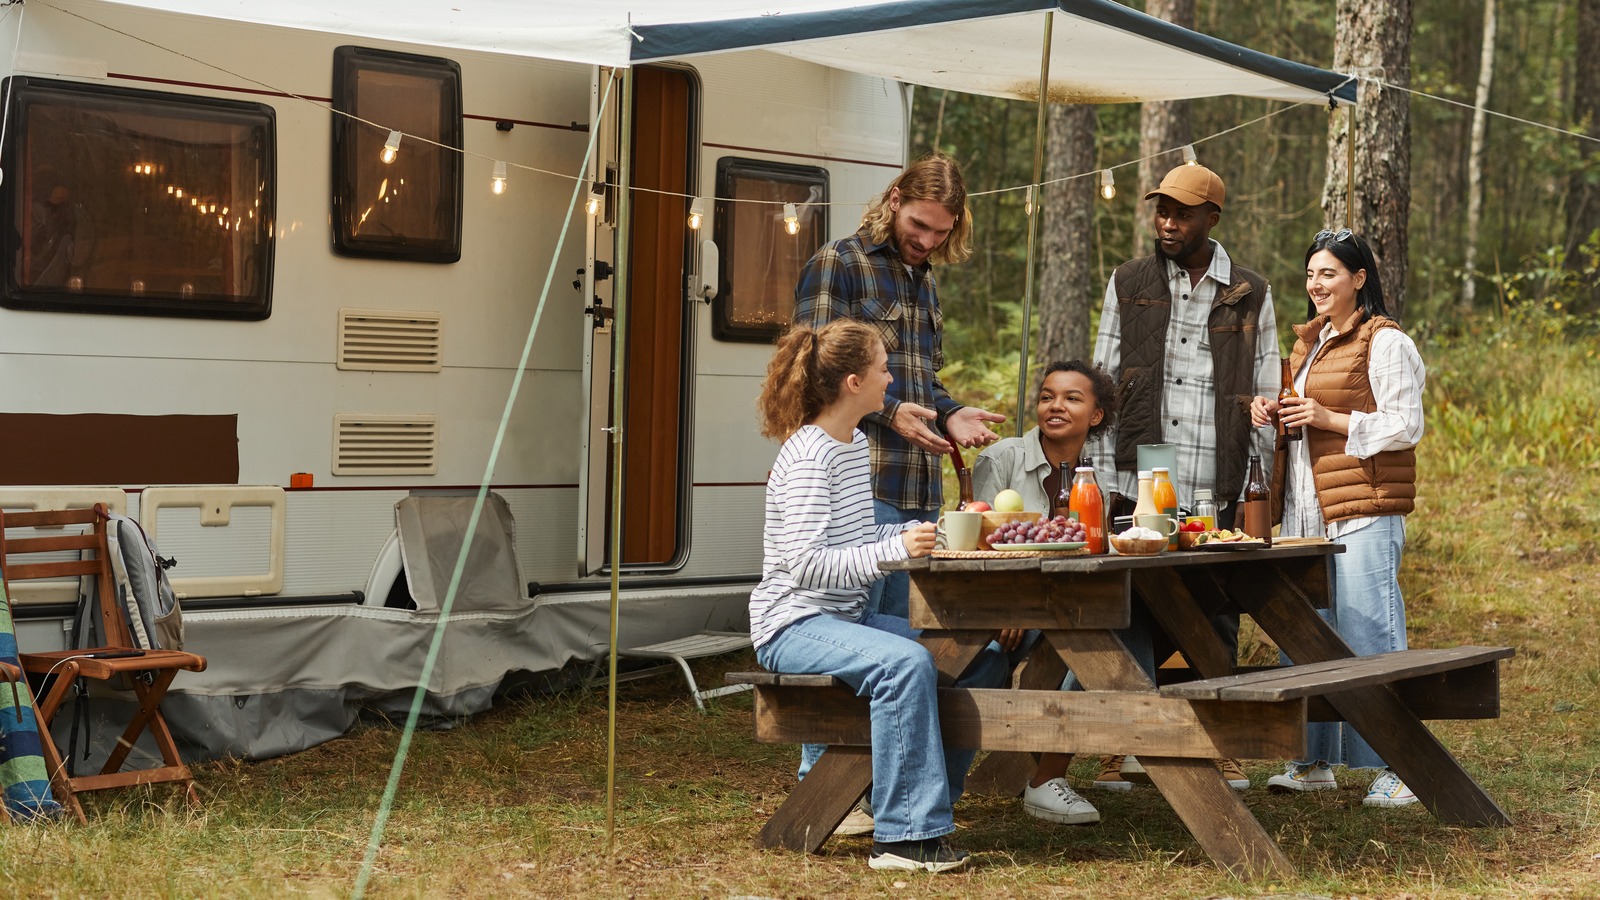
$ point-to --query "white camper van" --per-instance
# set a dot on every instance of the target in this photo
(269, 271)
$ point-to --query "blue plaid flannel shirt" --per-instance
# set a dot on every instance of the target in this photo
(859, 278)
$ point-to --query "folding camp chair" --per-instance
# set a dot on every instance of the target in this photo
(148, 673)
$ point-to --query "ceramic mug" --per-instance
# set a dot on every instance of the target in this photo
(959, 530)
(1163, 525)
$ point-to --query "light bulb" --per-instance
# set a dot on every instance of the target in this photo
(697, 213)
(791, 219)
(597, 194)
(1188, 155)
(1108, 188)
(391, 147)
(497, 182)
(1027, 203)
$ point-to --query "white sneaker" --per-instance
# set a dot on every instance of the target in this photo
(1053, 801)
(1388, 792)
(859, 821)
(1303, 777)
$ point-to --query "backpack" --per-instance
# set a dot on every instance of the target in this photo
(149, 605)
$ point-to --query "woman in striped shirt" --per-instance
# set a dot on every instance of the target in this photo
(822, 550)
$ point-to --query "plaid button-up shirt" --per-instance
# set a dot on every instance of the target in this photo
(859, 278)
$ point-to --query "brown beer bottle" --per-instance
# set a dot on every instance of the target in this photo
(1062, 504)
(1285, 392)
(964, 479)
(1257, 502)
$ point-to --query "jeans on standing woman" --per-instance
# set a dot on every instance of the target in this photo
(915, 780)
(1370, 615)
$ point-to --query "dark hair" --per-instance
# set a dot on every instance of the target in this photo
(1105, 390)
(806, 372)
(1355, 254)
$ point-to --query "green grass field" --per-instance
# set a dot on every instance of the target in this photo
(1502, 551)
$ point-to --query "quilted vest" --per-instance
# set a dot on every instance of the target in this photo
(1384, 484)
(1144, 303)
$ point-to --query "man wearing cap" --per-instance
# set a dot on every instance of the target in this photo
(1190, 338)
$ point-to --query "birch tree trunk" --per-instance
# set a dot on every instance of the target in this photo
(1163, 124)
(1469, 283)
(1583, 185)
(1066, 290)
(1373, 40)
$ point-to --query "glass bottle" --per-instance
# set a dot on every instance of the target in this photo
(1165, 495)
(1146, 505)
(1257, 502)
(964, 480)
(1205, 508)
(1062, 504)
(1284, 393)
(1088, 506)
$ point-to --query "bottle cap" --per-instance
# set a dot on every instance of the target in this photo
(1202, 494)
(1144, 474)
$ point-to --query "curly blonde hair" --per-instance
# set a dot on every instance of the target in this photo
(807, 371)
(937, 178)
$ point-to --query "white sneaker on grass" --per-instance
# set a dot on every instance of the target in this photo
(1053, 801)
(1303, 777)
(1388, 792)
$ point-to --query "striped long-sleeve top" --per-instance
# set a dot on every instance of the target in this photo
(820, 544)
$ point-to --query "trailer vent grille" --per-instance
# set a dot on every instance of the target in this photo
(377, 340)
(385, 445)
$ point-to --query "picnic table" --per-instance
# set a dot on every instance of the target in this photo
(1177, 729)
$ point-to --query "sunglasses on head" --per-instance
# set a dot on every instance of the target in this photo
(1343, 234)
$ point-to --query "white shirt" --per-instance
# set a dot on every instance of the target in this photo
(1188, 395)
(1397, 375)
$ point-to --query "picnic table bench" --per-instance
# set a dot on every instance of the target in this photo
(1176, 729)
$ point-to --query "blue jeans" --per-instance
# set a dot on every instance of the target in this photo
(1370, 615)
(892, 595)
(915, 780)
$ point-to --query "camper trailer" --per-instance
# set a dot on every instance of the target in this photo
(225, 314)
(288, 282)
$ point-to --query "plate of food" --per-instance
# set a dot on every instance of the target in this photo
(1226, 540)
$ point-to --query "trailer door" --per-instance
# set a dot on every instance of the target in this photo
(659, 340)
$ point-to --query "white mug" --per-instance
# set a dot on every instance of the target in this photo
(1167, 526)
(959, 530)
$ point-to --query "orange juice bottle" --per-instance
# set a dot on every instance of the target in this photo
(1166, 498)
(1088, 507)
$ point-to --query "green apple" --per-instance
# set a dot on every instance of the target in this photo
(1008, 501)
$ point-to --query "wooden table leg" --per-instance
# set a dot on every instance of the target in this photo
(1393, 730)
(953, 651)
(820, 801)
(1004, 773)
(1212, 811)
(1177, 611)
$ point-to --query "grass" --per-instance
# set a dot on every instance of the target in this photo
(512, 802)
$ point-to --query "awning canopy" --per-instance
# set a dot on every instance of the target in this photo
(1102, 52)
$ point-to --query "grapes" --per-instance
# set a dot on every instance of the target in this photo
(1059, 530)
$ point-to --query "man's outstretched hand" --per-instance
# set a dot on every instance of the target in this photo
(911, 422)
(969, 426)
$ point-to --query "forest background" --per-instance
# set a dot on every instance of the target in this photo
(1535, 262)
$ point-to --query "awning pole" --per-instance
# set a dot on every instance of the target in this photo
(619, 385)
(1035, 202)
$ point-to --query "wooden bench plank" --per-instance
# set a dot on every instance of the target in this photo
(1334, 675)
(1125, 722)
(1469, 693)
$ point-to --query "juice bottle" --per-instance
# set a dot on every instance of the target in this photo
(1088, 507)
(1165, 496)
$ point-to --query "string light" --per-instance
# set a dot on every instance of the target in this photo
(1188, 155)
(1027, 202)
(697, 213)
(791, 219)
(391, 148)
(497, 182)
(1108, 188)
(597, 194)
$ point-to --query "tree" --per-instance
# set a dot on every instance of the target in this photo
(1067, 291)
(1583, 193)
(1469, 284)
(1163, 125)
(1373, 40)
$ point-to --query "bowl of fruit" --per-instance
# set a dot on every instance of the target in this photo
(1039, 533)
(1190, 533)
(994, 521)
(1138, 541)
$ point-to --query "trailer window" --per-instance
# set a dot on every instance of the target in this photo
(409, 207)
(129, 201)
(761, 260)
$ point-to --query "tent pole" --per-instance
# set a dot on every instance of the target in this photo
(619, 366)
(1350, 166)
(1035, 206)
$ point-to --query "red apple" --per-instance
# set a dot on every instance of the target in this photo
(976, 506)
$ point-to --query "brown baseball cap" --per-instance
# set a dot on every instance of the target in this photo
(1192, 186)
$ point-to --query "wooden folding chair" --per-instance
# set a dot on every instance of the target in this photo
(149, 673)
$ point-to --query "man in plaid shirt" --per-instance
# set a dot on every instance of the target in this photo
(883, 275)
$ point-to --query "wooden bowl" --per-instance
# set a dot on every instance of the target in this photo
(993, 520)
(1186, 539)
(1137, 546)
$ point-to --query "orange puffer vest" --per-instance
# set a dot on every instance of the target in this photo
(1381, 485)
